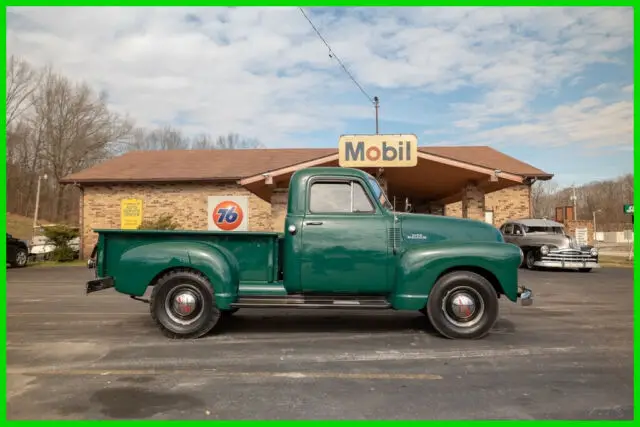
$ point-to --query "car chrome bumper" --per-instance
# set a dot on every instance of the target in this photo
(525, 296)
(566, 264)
(99, 284)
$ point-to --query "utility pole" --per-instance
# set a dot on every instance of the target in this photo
(595, 229)
(575, 203)
(35, 213)
(376, 103)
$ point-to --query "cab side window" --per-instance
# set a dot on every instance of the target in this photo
(508, 229)
(339, 197)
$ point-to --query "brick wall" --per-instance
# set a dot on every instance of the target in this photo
(509, 203)
(472, 202)
(186, 202)
(279, 202)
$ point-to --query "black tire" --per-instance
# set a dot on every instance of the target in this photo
(206, 314)
(230, 312)
(474, 286)
(584, 270)
(20, 259)
(529, 259)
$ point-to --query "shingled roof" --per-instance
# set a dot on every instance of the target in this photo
(233, 165)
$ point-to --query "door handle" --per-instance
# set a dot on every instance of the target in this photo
(313, 223)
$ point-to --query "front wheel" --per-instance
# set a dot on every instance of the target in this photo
(183, 305)
(20, 259)
(462, 305)
(584, 270)
(530, 259)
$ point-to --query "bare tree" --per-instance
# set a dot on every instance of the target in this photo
(22, 82)
(604, 198)
(165, 138)
(233, 141)
(542, 198)
(74, 127)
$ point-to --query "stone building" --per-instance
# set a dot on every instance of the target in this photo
(471, 182)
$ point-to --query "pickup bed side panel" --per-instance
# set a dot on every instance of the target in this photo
(138, 266)
(419, 268)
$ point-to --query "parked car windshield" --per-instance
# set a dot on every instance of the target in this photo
(379, 194)
(546, 230)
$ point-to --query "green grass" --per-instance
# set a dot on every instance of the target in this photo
(39, 264)
(615, 261)
(21, 227)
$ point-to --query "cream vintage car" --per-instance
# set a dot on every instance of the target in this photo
(546, 244)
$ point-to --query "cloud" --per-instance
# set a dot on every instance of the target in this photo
(589, 123)
(263, 72)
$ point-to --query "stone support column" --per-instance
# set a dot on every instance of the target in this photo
(472, 202)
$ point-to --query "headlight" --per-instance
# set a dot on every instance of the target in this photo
(544, 249)
(594, 252)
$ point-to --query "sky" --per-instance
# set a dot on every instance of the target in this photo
(552, 87)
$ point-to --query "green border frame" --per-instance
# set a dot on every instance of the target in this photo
(3, 171)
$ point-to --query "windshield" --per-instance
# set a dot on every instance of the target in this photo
(546, 230)
(379, 194)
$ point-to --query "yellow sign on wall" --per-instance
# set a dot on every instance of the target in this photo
(130, 214)
(360, 151)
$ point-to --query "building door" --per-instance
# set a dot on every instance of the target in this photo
(488, 217)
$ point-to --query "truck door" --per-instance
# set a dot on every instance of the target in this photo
(344, 239)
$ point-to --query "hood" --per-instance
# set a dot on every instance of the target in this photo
(559, 241)
(424, 228)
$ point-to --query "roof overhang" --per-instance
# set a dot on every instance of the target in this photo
(268, 176)
(439, 177)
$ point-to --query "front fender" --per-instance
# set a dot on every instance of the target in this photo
(419, 268)
(140, 265)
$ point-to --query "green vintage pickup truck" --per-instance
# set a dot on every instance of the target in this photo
(343, 247)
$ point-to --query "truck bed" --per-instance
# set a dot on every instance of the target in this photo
(256, 252)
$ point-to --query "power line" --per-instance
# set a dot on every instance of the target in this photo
(332, 54)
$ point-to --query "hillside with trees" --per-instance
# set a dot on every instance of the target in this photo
(606, 198)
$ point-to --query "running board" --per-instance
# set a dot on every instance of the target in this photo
(312, 301)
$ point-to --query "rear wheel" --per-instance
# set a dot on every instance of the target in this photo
(462, 305)
(183, 305)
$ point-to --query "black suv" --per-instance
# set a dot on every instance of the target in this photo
(17, 252)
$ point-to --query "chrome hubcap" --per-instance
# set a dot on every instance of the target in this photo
(463, 306)
(21, 258)
(184, 304)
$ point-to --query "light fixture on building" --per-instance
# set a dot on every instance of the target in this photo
(268, 179)
(494, 177)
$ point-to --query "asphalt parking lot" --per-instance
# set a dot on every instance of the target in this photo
(71, 356)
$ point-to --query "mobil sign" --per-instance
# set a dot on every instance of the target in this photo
(361, 151)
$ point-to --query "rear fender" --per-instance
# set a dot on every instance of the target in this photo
(140, 266)
(420, 267)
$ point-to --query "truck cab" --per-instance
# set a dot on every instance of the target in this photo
(343, 246)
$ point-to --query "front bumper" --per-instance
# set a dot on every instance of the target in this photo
(525, 296)
(567, 259)
(99, 284)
